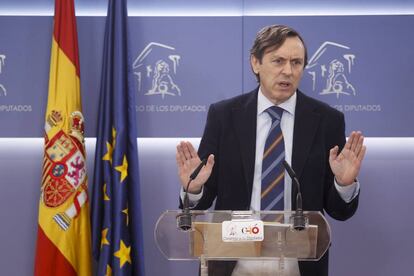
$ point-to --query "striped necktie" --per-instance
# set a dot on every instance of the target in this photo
(273, 183)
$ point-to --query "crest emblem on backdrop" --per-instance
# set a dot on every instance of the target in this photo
(330, 69)
(155, 70)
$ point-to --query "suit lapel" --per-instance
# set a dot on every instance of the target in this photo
(244, 118)
(306, 124)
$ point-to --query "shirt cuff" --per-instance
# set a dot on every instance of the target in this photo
(348, 193)
(193, 199)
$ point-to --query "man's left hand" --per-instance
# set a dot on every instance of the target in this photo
(346, 165)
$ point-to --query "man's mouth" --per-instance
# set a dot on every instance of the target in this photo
(284, 84)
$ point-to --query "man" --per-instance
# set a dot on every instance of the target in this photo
(313, 141)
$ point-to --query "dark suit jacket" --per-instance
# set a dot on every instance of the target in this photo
(230, 134)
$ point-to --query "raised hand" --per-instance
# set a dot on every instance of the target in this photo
(187, 161)
(346, 165)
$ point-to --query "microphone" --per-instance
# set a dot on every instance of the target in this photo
(184, 219)
(197, 171)
(299, 220)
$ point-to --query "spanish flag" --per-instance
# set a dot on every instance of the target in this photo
(63, 239)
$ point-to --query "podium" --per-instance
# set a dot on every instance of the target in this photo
(242, 235)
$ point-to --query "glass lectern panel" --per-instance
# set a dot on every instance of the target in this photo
(206, 238)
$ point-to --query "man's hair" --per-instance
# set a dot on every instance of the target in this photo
(272, 38)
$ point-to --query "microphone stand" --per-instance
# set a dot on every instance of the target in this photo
(184, 220)
(298, 219)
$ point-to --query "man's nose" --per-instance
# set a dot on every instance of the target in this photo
(287, 68)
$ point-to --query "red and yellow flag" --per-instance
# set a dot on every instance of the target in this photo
(63, 240)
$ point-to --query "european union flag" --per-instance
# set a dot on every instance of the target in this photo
(116, 205)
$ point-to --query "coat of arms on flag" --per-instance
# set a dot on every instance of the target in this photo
(64, 170)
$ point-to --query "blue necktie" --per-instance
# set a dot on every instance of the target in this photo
(273, 183)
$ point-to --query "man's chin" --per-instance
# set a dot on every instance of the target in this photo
(281, 96)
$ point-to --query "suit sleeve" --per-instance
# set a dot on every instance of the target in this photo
(334, 205)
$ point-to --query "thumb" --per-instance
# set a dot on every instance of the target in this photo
(333, 153)
(210, 162)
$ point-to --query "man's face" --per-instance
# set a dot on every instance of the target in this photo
(281, 70)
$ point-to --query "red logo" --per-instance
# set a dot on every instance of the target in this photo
(251, 230)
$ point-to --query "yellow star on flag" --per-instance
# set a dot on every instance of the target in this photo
(113, 137)
(106, 197)
(125, 211)
(108, 271)
(123, 254)
(123, 169)
(108, 155)
(104, 240)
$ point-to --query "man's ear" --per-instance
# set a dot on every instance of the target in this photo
(254, 63)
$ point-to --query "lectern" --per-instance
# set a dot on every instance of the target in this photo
(237, 235)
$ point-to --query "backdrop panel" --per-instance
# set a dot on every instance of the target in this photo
(182, 64)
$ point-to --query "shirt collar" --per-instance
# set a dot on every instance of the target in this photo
(264, 103)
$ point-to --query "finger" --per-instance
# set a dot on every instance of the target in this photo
(186, 150)
(180, 153)
(333, 153)
(359, 145)
(352, 139)
(210, 162)
(179, 161)
(206, 171)
(355, 140)
(192, 150)
(361, 155)
(349, 141)
(192, 153)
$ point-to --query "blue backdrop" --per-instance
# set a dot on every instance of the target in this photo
(182, 64)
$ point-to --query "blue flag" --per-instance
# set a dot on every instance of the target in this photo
(116, 205)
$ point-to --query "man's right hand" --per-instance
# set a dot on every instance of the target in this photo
(187, 161)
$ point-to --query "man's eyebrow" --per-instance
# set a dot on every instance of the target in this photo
(277, 56)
